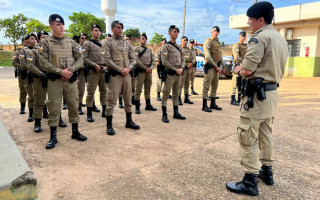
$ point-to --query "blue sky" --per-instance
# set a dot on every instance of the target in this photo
(148, 16)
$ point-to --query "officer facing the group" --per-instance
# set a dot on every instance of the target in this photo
(185, 78)
(238, 51)
(159, 69)
(81, 76)
(174, 63)
(92, 59)
(194, 67)
(143, 73)
(213, 58)
(61, 57)
(120, 59)
(262, 69)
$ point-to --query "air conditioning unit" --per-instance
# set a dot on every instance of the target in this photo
(289, 35)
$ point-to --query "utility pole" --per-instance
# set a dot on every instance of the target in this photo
(184, 17)
(255, 1)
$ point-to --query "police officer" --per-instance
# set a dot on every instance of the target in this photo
(108, 36)
(213, 59)
(21, 74)
(174, 63)
(185, 78)
(81, 76)
(41, 35)
(61, 57)
(92, 59)
(194, 67)
(238, 51)
(262, 69)
(120, 59)
(159, 65)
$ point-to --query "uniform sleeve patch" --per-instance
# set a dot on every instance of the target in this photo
(252, 42)
(103, 52)
(165, 53)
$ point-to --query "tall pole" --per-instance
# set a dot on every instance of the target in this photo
(184, 17)
(255, 1)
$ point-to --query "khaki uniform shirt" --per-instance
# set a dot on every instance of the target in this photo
(239, 51)
(212, 52)
(171, 57)
(31, 60)
(146, 60)
(188, 55)
(60, 53)
(158, 55)
(92, 53)
(118, 54)
(15, 58)
(194, 54)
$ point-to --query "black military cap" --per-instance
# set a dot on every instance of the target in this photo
(191, 41)
(127, 36)
(261, 9)
(164, 40)
(184, 37)
(23, 38)
(57, 18)
(108, 35)
(144, 35)
(31, 34)
(216, 28)
(41, 32)
(174, 27)
(81, 34)
(95, 26)
(242, 33)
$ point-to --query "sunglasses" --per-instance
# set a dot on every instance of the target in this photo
(83, 38)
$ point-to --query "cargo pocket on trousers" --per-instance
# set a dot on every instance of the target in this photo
(245, 135)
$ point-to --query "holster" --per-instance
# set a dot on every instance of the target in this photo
(73, 77)
(24, 73)
(53, 76)
(16, 72)
(249, 87)
(132, 71)
(109, 73)
(137, 70)
(239, 79)
(160, 69)
(206, 67)
(44, 80)
(30, 77)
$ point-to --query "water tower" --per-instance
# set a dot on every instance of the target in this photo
(109, 8)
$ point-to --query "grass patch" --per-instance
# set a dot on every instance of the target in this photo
(6, 58)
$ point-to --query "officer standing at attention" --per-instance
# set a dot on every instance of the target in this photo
(143, 73)
(159, 65)
(92, 59)
(238, 51)
(194, 67)
(213, 59)
(61, 57)
(21, 74)
(185, 78)
(120, 59)
(262, 69)
(173, 61)
(81, 76)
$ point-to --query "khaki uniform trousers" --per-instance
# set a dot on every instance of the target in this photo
(159, 85)
(94, 80)
(143, 79)
(193, 75)
(81, 85)
(30, 94)
(172, 81)
(256, 142)
(56, 91)
(22, 89)
(211, 79)
(133, 86)
(39, 98)
(233, 84)
(185, 81)
(116, 83)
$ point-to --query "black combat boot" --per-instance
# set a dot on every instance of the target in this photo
(170, 96)
(83, 105)
(30, 119)
(239, 98)
(76, 134)
(120, 103)
(149, 106)
(80, 109)
(37, 125)
(95, 108)
(193, 92)
(205, 108)
(61, 123)
(53, 138)
(233, 100)
(45, 112)
(180, 102)
(164, 115)
(132, 99)
(186, 99)
(130, 123)
(89, 114)
(22, 109)
(266, 175)
(64, 105)
(137, 103)
(104, 111)
(249, 185)
(110, 130)
(213, 104)
(176, 113)
(158, 96)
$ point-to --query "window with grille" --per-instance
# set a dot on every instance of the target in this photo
(294, 48)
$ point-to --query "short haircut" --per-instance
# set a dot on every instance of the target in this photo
(173, 27)
(262, 9)
(114, 23)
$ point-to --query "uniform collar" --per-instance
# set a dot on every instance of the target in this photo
(269, 26)
(117, 38)
(58, 38)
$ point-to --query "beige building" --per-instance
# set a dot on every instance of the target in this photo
(300, 25)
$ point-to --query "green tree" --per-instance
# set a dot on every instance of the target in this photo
(157, 38)
(35, 26)
(14, 28)
(82, 22)
(132, 32)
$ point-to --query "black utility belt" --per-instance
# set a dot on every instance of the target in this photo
(270, 86)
